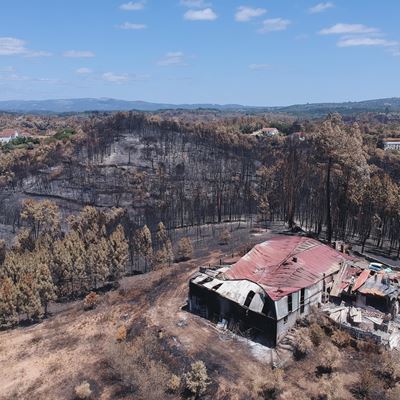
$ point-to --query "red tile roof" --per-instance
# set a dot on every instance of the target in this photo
(7, 133)
(286, 264)
(391, 140)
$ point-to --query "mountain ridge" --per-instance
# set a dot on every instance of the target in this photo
(111, 104)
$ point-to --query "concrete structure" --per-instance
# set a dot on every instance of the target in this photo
(391, 144)
(7, 135)
(269, 288)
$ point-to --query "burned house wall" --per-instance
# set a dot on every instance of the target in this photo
(209, 304)
(301, 303)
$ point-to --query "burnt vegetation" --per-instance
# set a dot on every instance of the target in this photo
(112, 195)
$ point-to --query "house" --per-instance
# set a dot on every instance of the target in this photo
(269, 288)
(7, 135)
(298, 136)
(391, 144)
(265, 132)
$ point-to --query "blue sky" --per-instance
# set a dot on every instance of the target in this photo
(259, 52)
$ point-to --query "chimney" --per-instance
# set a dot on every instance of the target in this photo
(294, 259)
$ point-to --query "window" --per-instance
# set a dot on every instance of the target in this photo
(249, 298)
(216, 287)
(290, 303)
(302, 297)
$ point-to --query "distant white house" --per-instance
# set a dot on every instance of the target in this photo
(7, 135)
(266, 132)
(391, 144)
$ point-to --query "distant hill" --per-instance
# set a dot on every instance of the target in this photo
(106, 104)
(103, 104)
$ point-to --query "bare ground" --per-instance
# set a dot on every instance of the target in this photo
(47, 360)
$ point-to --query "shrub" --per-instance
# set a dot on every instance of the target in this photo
(225, 237)
(174, 384)
(303, 345)
(368, 386)
(341, 338)
(83, 390)
(121, 333)
(138, 366)
(185, 250)
(328, 359)
(389, 368)
(316, 334)
(90, 302)
(268, 385)
(196, 380)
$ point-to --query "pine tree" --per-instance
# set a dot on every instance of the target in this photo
(165, 253)
(142, 244)
(118, 253)
(8, 302)
(185, 249)
(45, 284)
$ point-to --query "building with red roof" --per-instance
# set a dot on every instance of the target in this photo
(7, 135)
(270, 287)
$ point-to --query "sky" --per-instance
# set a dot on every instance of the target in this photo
(259, 52)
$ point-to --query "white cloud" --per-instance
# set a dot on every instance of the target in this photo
(7, 69)
(200, 15)
(194, 3)
(132, 6)
(320, 7)
(83, 71)
(245, 14)
(176, 58)
(259, 67)
(132, 27)
(10, 46)
(365, 41)
(13, 78)
(274, 24)
(343, 29)
(78, 54)
(123, 77)
(34, 54)
(115, 78)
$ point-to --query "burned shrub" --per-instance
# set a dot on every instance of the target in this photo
(196, 380)
(317, 334)
(138, 367)
(174, 384)
(268, 385)
(341, 338)
(329, 359)
(83, 391)
(90, 302)
(121, 333)
(303, 345)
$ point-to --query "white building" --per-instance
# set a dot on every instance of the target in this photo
(391, 144)
(266, 132)
(7, 135)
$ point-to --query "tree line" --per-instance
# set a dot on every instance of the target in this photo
(46, 263)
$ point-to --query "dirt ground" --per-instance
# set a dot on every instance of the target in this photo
(47, 360)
